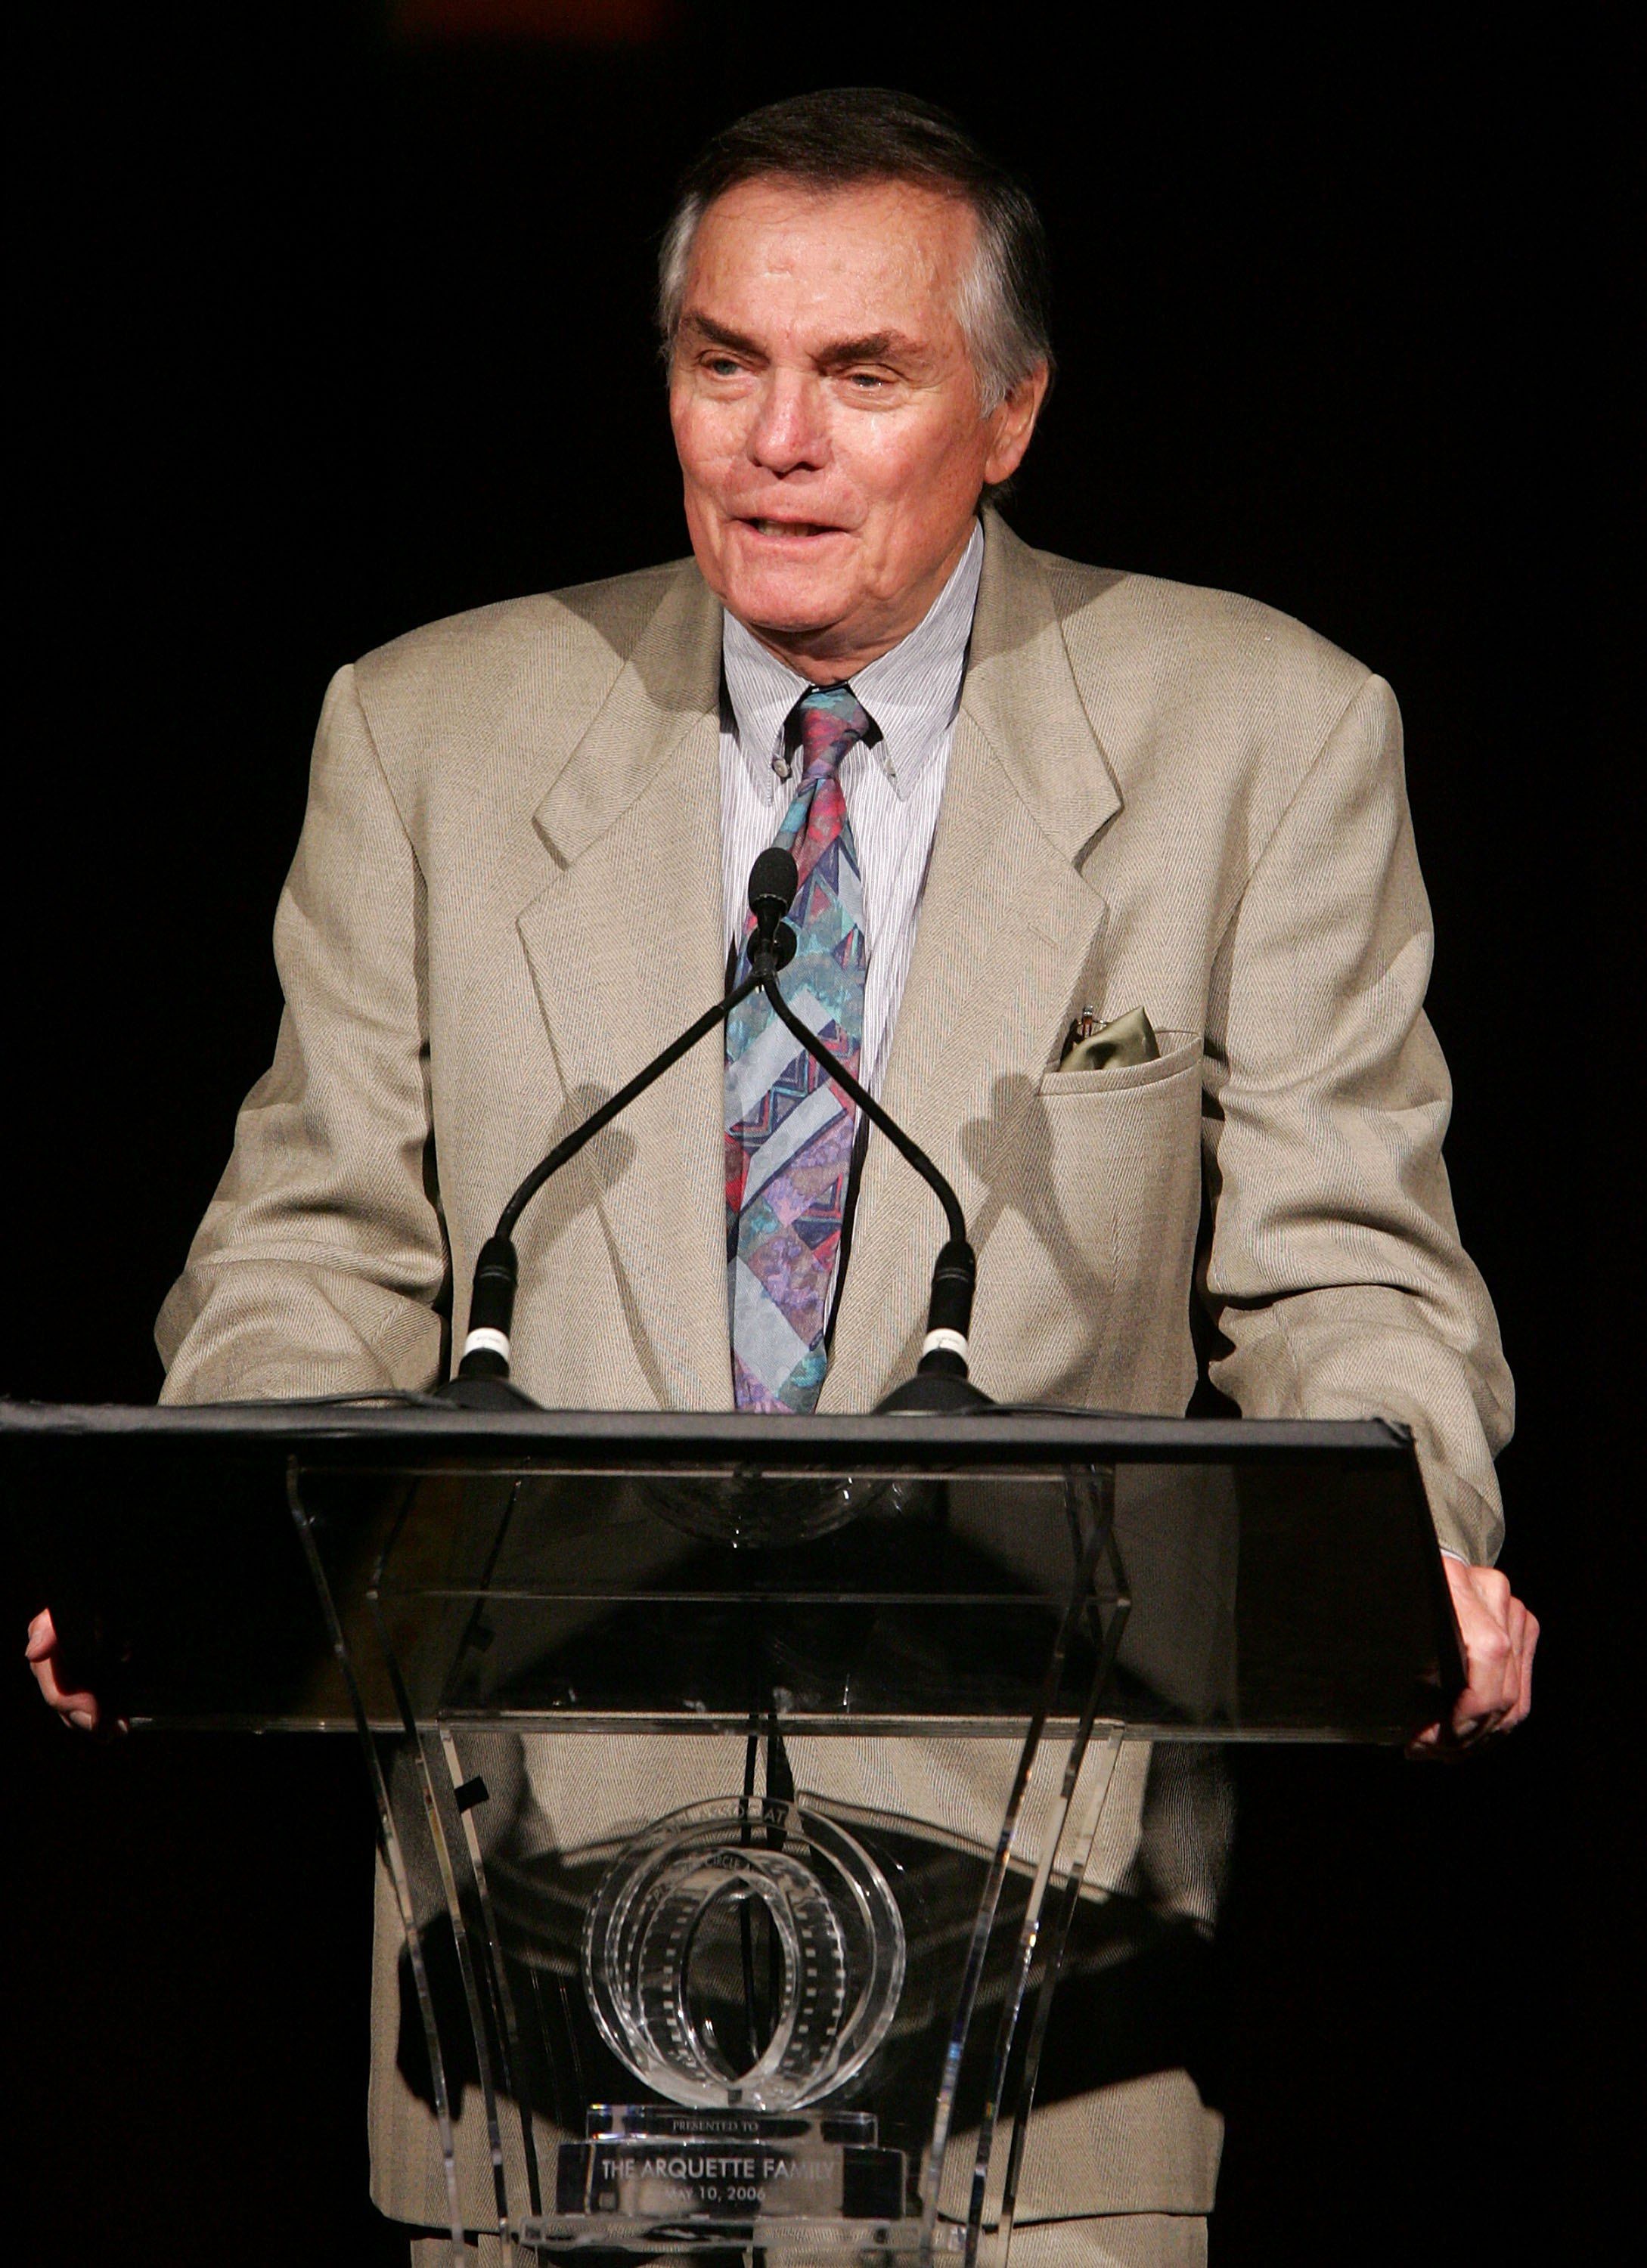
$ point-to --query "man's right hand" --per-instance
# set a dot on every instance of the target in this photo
(44, 1656)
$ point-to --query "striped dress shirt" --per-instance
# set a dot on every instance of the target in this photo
(893, 784)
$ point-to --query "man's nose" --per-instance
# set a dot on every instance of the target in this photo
(789, 433)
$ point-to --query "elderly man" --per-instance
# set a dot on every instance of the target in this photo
(1017, 788)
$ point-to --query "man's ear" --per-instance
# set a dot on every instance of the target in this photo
(1012, 423)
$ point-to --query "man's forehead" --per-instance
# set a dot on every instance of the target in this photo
(846, 263)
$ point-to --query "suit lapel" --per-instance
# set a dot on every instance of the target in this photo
(1006, 926)
(625, 947)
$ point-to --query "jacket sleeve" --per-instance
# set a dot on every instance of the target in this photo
(1334, 1276)
(320, 1258)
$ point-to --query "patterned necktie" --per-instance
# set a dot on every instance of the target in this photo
(789, 1128)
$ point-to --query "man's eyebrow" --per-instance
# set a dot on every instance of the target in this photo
(875, 346)
(878, 346)
(704, 326)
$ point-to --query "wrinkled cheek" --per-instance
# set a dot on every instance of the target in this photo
(703, 531)
(703, 444)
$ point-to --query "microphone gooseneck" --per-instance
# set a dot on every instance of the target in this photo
(941, 1383)
(483, 1381)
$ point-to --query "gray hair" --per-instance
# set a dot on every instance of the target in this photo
(844, 135)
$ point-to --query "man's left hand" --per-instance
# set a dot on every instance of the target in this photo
(1500, 1635)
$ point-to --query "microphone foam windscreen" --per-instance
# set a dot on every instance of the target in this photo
(773, 875)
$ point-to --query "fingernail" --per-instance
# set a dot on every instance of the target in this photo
(81, 1719)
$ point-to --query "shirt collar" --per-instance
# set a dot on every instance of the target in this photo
(912, 691)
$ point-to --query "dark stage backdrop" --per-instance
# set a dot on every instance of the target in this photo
(336, 322)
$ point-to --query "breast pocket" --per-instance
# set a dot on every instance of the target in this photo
(1098, 1202)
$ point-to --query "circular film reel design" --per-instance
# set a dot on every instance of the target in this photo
(755, 1975)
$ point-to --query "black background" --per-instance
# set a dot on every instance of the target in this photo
(331, 326)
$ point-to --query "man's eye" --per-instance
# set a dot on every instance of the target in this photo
(722, 366)
(868, 381)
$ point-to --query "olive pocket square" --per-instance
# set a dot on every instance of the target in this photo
(1091, 1046)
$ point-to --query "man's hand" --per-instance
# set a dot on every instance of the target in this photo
(1499, 1635)
(44, 1656)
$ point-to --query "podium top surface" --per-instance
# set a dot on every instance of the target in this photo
(428, 1430)
(537, 1567)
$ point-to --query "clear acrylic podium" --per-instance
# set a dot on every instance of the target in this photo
(739, 1780)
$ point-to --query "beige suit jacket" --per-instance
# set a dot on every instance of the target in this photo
(507, 896)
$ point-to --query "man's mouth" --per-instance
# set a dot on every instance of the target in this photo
(782, 527)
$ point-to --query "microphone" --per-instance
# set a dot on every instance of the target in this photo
(941, 1383)
(483, 1381)
(774, 878)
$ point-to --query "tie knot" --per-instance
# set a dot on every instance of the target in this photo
(829, 722)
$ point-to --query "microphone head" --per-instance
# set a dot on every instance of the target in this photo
(774, 878)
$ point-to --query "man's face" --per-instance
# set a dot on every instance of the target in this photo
(826, 414)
